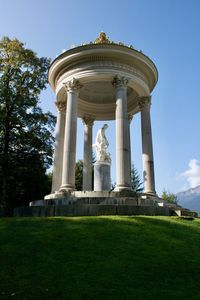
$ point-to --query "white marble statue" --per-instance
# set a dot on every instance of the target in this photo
(101, 146)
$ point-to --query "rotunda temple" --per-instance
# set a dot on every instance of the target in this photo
(102, 80)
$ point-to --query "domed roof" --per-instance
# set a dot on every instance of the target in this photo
(95, 64)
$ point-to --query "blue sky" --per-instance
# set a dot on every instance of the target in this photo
(167, 31)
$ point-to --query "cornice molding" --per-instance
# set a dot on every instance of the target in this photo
(73, 69)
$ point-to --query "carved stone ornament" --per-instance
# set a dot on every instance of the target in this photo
(120, 81)
(88, 120)
(144, 102)
(72, 85)
(61, 106)
(130, 118)
(102, 39)
(101, 146)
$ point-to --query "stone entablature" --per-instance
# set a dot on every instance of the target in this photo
(95, 65)
(105, 54)
(109, 65)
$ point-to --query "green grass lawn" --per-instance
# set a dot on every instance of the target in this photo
(100, 258)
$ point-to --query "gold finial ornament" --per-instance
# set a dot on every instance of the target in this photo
(102, 39)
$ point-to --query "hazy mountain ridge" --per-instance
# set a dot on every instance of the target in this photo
(190, 198)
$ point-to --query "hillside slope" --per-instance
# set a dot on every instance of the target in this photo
(100, 258)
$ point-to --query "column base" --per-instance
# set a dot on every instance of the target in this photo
(50, 196)
(151, 193)
(67, 188)
(120, 188)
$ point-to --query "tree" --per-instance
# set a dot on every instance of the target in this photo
(169, 197)
(136, 183)
(25, 131)
(79, 175)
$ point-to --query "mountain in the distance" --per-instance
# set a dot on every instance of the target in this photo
(190, 199)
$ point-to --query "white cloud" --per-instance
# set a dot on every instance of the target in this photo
(192, 174)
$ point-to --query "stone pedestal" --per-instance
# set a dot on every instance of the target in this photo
(102, 180)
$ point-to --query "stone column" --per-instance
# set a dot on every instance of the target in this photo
(130, 118)
(147, 146)
(122, 136)
(87, 159)
(69, 154)
(59, 143)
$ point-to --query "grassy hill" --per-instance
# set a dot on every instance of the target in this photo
(100, 258)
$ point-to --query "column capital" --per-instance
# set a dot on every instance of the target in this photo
(61, 106)
(119, 82)
(88, 120)
(72, 85)
(130, 118)
(144, 101)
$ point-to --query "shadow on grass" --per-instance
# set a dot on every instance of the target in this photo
(100, 258)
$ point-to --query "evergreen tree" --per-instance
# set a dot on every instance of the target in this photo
(136, 183)
(25, 131)
(79, 175)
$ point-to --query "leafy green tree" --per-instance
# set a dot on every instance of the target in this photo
(169, 197)
(136, 183)
(25, 131)
(79, 173)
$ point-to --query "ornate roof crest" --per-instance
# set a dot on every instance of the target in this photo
(102, 39)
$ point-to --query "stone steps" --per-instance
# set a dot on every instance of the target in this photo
(102, 203)
(89, 210)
